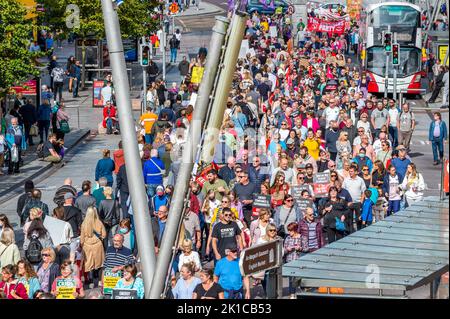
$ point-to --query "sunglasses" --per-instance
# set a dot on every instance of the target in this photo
(225, 201)
(289, 200)
(227, 215)
(45, 255)
(271, 230)
(365, 169)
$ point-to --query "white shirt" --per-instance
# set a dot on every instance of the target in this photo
(393, 115)
(355, 187)
(331, 114)
(377, 146)
(106, 94)
(192, 257)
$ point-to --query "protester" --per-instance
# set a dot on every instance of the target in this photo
(47, 270)
(9, 251)
(437, 136)
(131, 281)
(208, 289)
(28, 277)
(187, 283)
(10, 285)
(67, 273)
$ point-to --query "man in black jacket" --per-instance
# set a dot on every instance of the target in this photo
(183, 67)
(152, 70)
(122, 189)
(24, 198)
(28, 112)
(439, 84)
(72, 215)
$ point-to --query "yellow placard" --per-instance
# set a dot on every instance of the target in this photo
(110, 280)
(65, 288)
(197, 74)
(442, 53)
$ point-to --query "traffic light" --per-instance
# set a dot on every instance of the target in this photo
(145, 54)
(388, 41)
(395, 54)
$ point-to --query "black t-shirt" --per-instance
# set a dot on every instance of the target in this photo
(226, 235)
(213, 292)
(47, 147)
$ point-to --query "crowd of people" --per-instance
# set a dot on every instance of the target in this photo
(284, 125)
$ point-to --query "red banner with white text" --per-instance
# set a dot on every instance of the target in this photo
(333, 27)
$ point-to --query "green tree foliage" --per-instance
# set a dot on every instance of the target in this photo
(16, 62)
(135, 17)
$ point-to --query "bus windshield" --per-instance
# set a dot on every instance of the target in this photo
(394, 15)
(410, 59)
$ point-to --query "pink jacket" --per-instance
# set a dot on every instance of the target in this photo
(315, 124)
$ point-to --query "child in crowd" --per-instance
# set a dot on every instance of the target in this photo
(380, 207)
(366, 215)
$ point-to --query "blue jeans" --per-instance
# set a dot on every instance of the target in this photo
(394, 207)
(109, 126)
(173, 55)
(148, 138)
(76, 85)
(151, 189)
(437, 145)
(393, 133)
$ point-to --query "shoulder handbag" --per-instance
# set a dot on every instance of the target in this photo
(64, 126)
(280, 231)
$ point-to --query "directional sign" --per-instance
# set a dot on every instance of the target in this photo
(261, 257)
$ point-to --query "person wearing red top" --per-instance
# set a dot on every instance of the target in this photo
(109, 117)
(119, 158)
(9, 285)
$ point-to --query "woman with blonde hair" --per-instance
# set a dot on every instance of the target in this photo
(35, 213)
(188, 255)
(91, 240)
(413, 184)
(9, 252)
(48, 269)
(344, 149)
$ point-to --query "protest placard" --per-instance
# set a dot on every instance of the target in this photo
(124, 293)
(197, 74)
(297, 191)
(65, 288)
(261, 201)
(303, 204)
(110, 280)
(321, 184)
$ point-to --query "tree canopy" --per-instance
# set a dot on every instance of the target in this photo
(16, 61)
(135, 17)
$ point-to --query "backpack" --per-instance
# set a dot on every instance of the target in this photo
(33, 253)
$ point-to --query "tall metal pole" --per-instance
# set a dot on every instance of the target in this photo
(394, 92)
(223, 86)
(144, 85)
(144, 233)
(189, 152)
(163, 47)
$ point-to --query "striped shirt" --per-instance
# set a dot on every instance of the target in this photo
(118, 257)
(312, 242)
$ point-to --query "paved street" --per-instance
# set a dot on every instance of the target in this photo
(85, 144)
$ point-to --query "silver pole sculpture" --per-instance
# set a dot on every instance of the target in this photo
(195, 131)
(144, 233)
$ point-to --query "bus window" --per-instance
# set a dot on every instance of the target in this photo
(410, 59)
(395, 15)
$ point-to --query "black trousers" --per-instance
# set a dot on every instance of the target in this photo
(356, 209)
(333, 156)
(28, 137)
(14, 166)
(435, 93)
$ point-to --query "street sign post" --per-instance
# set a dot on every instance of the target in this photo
(261, 257)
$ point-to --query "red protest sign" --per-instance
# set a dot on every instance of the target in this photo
(334, 27)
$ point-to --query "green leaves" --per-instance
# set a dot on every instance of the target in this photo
(16, 62)
(134, 16)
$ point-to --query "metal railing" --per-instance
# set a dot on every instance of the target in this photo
(77, 107)
(106, 70)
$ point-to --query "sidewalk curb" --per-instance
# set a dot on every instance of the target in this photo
(16, 188)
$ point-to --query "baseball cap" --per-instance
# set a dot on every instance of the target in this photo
(160, 188)
(309, 165)
(68, 196)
